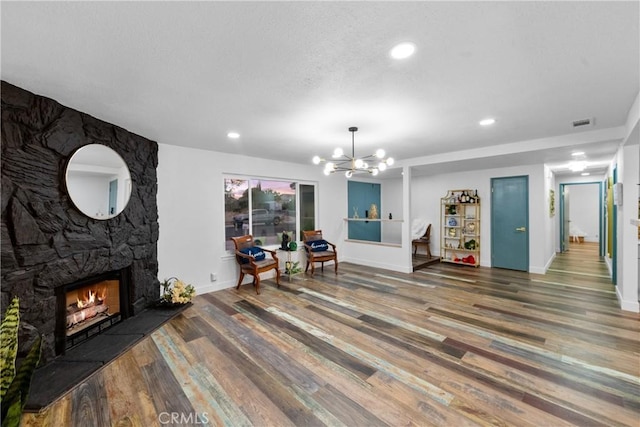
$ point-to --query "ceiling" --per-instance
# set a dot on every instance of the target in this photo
(292, 77)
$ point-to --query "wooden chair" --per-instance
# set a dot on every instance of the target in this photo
(322, 256)
(425, 240)
(249, 265)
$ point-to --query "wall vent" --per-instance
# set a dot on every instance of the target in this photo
(583, 122)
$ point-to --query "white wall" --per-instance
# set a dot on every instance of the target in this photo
(391, 201)
(191, 210)
(426, 192)
(550, 223)
(628, 162)
(381, 255)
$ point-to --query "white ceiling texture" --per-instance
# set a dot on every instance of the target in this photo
(292, 77)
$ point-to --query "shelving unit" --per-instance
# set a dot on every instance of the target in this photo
(460, 227)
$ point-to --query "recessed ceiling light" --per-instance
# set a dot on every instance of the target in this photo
(585, 174)
(578, 153)
(403, 50)
(233, 135)
(578, 166)
(487, 122)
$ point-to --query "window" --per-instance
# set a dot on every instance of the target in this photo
(266, 208)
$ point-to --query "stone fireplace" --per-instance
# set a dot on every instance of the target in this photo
(52, 255)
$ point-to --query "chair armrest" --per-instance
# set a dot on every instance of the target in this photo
(245, 256)
(274, 254)
(332, 245)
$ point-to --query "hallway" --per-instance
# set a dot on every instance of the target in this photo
(581, 266)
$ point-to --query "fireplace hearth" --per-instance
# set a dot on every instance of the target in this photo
(90, 306)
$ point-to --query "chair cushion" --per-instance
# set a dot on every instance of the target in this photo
(254, 252)
(322, 254)
(319, 245)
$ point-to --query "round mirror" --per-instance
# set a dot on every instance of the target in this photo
(98, 181)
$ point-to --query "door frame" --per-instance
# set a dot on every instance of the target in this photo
(601, 224)
(614, 248)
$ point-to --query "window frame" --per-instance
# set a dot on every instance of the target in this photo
(248, 179)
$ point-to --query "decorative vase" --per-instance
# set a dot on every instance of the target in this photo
(373, 211)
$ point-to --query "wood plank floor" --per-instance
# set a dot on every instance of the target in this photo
(447, 346)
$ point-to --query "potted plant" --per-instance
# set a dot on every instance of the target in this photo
(15, 384)
(176, 292)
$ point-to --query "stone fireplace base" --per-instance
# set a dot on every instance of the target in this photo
(55, 379)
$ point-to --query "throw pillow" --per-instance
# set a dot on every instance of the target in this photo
(319, 246)
(255, 252)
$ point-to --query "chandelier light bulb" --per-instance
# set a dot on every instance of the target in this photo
(390, 161)
(352, 165)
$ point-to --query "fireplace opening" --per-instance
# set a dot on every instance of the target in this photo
(89, 307)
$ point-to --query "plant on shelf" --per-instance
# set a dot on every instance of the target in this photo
(176, 292)
(15, 385)
(292, 267)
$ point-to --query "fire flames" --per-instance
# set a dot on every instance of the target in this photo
(87, 308)
(91, 300)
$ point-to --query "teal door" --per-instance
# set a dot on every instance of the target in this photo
(361, 196)
(113, 196)
(510, 223)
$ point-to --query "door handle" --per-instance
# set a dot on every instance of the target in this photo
(521, 229)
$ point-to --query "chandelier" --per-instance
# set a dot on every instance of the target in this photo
(373, 163)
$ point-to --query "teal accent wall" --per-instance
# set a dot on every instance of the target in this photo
(361, 195)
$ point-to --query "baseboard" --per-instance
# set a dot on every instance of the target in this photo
(546, 267)
(626, 305)
(216, 287)
(368, 263)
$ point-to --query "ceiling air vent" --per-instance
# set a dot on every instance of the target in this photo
(582, 123)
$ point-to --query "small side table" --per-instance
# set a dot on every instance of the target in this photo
(288, 264)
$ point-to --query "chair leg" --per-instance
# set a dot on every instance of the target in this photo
(336, 265)
(428, 250)
(278, 277)
(257, 282)
(240, 280)
(313, 268)
(307, 268)
(322, 266)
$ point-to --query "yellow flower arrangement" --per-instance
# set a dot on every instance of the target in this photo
(175, 291)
